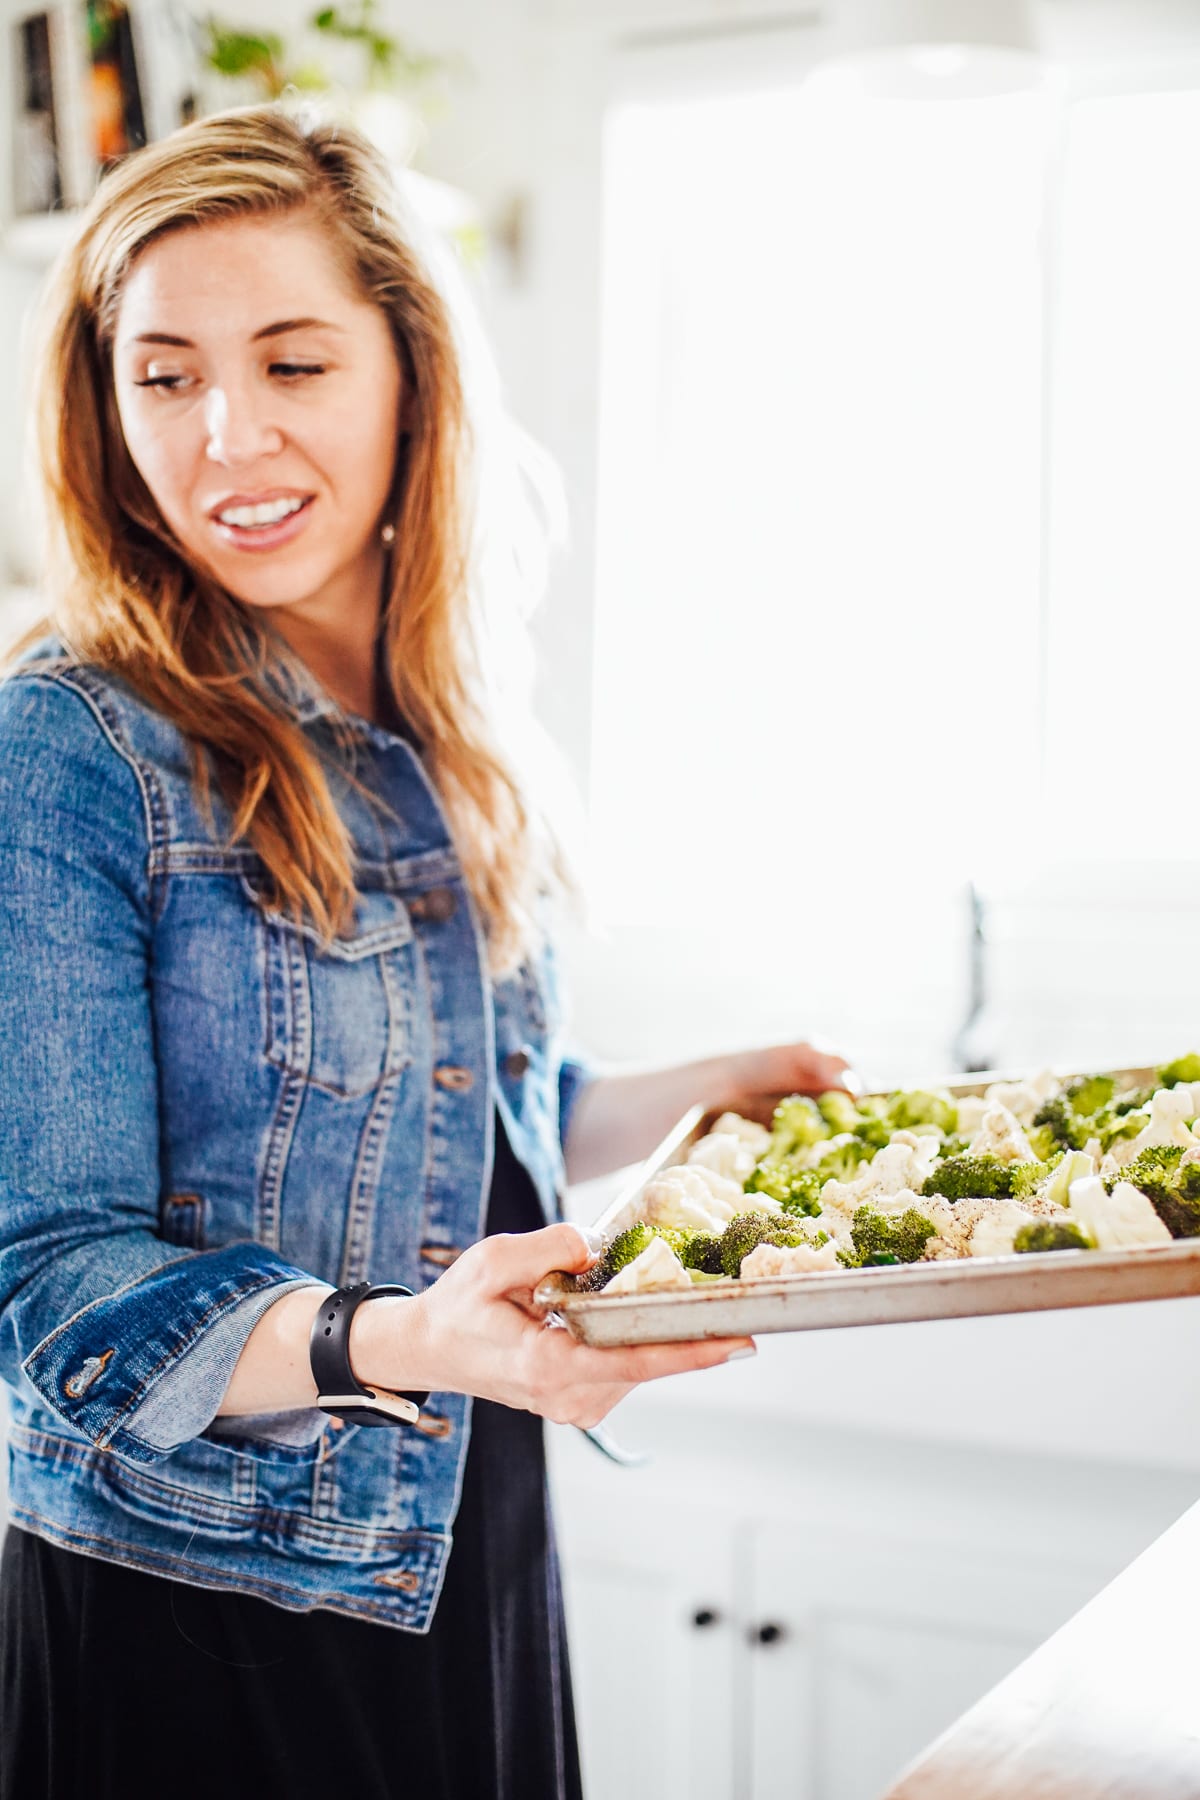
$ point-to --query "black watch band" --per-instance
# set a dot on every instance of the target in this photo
(338, 1389)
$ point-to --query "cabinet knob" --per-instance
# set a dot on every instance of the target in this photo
(704, 1617)
(770, 1633)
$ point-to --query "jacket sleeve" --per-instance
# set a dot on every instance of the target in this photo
(97, 1312)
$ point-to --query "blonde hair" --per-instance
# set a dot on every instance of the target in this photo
(124, 597)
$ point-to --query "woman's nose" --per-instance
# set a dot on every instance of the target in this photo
(237, 430)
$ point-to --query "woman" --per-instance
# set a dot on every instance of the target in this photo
(278, 1018)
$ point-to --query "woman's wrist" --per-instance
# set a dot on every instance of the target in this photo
(387, 1346)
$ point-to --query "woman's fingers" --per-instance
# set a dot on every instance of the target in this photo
(517, 1261)
(577, 1364)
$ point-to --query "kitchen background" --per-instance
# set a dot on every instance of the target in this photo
(863, 334)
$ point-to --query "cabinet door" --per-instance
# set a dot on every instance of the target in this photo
(653, 1645)
(863, 1651)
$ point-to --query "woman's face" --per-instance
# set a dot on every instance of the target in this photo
(261, 399)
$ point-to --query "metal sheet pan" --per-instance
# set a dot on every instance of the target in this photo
(828, 1299)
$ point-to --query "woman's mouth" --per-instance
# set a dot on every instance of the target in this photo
(263, 524)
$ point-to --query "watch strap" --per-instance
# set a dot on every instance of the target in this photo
(338, 1389)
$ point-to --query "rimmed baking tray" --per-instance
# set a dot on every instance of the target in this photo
(828, 1299)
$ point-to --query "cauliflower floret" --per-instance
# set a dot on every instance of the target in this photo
(1001, 1136)
(1160, 1131)
(681, 1197)
(1020, 1097)
(954, 1221)
(767, 1260)
(657, 1266)
(725, 1153)
(1117, 1221)
(971, 1108)
(722, 1189)
(995, 1230)
(755, 1137)
(1171, 1105)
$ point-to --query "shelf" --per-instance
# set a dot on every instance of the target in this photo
(39, 238)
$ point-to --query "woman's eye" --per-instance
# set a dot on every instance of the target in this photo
(295, 371)
(169, 384)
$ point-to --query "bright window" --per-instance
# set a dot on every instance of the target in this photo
(830, 677)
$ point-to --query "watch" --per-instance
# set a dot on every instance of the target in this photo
(338, 1388)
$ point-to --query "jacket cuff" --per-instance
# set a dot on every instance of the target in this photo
(102, 1367)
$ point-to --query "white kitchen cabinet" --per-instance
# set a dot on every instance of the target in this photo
(654, 1653)
(767, 1612)
(864, 1647)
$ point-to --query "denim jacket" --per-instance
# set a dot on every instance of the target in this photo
(200, 1109)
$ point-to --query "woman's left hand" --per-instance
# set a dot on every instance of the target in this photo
(757, 1075)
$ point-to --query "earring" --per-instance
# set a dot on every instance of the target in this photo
(387, 536)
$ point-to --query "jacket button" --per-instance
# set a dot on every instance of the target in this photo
(517, 1061)
(455, 1079)
(437, 905)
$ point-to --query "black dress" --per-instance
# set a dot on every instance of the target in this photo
(118, 1685)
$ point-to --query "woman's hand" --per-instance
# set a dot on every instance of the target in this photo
(477, 1331)
(758, 1075)
(621, 1117)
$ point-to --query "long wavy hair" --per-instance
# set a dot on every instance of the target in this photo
(124, 596)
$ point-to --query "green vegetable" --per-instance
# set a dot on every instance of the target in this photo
(838, 1111)
(745, 1232)
(1184, 1068)
(1027, 1177)
(1171, 1186)
(919, 1106)
(780, 1178)
(1068, 1132)
(840, 1162)
(795, 1125)
(696, 1250)
(879, 1234)
(1051, 1234)
(1112, 1126)
(970, 1178)
(1089, 1094)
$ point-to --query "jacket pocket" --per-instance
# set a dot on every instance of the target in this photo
(339, 1016)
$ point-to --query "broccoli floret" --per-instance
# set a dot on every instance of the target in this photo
(1069, 1133)
(624, 1247)
(745, 1232)
(954, 1145)
(1027, 1177)
(880, 1259)
(780, 1178)
(795, 1125)
(879, 1234)
(1153, 1170)
(841, 1161)
(917, 1106)
(970, 1178)
(1184, 1068)
(1111, 1126)
(1042, 1141)
(1171, 1186)
(1089, 1094)
(1050, 1234)
(695, 1249)
(838, 1110)
(1134, 1099)
(872, 1131)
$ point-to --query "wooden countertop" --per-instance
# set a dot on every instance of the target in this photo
(1107, 1709)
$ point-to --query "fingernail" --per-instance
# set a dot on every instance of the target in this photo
(748, 1350)
(853, 1082)
(592, 1238)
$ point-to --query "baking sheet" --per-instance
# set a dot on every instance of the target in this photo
(829, 1299)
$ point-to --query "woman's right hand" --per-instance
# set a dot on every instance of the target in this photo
(477, 1331)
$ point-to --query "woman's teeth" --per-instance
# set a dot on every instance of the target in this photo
(269, 513)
